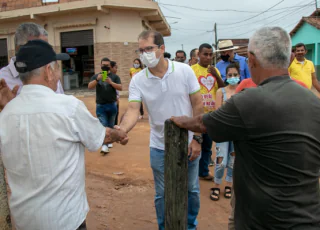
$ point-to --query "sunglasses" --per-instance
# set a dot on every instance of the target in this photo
(235, 75)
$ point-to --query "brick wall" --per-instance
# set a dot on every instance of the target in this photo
(120, 53)
(7, 5)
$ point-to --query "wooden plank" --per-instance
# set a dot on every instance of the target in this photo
(176, 177)
(5, 220)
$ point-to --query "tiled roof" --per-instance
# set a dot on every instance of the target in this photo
(313, 20)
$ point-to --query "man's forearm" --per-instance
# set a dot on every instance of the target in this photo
(92, 84)
(194, 124)
(316, 85)
(220, 82)
(197, 111)
(117, 86)
(129, 120)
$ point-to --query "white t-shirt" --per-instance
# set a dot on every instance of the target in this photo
(43, 136)
(164, 98)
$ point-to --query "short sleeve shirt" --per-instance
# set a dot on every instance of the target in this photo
(105, 93)
(134, 71)
(302, 71)
(208, 86)
(244, 70)
(164, 97)
(276, 136)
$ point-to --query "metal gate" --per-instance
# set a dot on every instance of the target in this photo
(77, 38)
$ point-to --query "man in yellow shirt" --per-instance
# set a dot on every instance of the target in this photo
(210, 80)
(303, 69)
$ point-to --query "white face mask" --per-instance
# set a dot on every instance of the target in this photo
(136, 66)
(149, 59)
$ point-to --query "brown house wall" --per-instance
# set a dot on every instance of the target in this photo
(7, 5)
(120, 53)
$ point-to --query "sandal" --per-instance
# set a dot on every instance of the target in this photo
(227, 192)
(215, 194)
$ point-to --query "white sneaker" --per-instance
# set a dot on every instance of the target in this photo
(104, 149)
(110, 145)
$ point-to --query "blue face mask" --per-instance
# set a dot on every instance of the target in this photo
(233, 80)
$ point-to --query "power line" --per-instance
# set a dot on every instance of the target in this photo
(208, 10)
(224, 10)
(293, 10)
(268, 23)
(284, 11)
(254, 15)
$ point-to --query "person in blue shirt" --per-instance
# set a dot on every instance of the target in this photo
(228, 55)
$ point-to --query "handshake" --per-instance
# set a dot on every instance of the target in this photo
(116, 135)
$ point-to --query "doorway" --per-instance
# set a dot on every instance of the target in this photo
(80, 68)
(3, 53)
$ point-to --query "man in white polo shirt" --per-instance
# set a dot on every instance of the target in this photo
(167, 89)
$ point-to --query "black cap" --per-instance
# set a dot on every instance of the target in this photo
(35, 54)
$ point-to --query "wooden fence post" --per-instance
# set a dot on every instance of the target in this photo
(5, 221)
(176, 177)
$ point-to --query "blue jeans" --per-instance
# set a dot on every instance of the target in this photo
(206, 154)
(157, 165)
(106, 114)
(224, 150)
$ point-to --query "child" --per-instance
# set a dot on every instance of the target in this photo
(225, 151)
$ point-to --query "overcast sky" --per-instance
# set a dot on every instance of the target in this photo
(192, 27)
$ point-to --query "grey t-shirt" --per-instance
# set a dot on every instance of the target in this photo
(276, 132)
(105, 93)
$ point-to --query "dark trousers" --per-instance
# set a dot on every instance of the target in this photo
(206, 154)
(141, 110)
(116, 121)
(106, 113)
(83, 226)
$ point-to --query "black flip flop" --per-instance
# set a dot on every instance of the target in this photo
(227, 191)
(214, 193)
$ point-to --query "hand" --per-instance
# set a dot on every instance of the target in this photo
(180, 121)
(213, 71)
(113, 135)
(99, 77)
(194, 150)
(6, 94)
(124, 141)
(109, 81)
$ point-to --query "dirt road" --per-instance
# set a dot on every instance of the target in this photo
(126, 201)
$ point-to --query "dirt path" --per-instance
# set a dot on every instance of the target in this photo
(126, 201)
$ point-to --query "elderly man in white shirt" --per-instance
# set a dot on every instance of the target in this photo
(43, 136)
(24, 33)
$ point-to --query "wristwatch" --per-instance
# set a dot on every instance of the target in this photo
(198, 139)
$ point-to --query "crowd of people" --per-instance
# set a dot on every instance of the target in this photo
(259, 111)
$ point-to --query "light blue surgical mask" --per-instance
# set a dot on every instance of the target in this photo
(233, 80)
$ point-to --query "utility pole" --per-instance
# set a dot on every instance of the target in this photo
(316, 1)
(215, 42)
(182, 46)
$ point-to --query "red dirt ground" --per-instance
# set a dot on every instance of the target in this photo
(126, 201)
